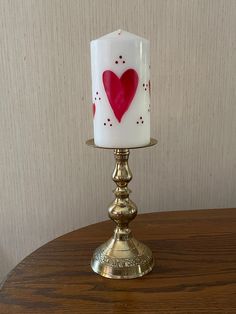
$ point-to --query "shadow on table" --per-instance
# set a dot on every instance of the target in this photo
(4, 267)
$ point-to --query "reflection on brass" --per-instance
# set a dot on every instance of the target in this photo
(90, 142)
(122, 256)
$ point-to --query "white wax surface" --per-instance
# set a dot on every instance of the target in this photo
(118, 52)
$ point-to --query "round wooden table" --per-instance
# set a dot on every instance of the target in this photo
(195, 270)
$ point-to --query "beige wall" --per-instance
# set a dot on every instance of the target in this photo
(51, 182)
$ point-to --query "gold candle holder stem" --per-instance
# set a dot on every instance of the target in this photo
(122, 210)
(122, 256)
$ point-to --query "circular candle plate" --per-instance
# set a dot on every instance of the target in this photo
(152, 142)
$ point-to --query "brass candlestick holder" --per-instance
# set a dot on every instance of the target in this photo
(122, 256)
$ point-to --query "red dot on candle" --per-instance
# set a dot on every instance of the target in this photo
(116, 62)
(120, 57)
(108, 120)
(110, 124)
(99, 98)
(123, 61)
(104, 123)
(97, 93)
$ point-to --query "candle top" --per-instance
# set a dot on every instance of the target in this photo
(120, 34)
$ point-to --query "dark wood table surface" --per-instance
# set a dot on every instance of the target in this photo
(195, 270)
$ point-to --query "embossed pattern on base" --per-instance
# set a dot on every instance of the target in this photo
(110, 265)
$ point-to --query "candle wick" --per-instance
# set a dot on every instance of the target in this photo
(119, 31)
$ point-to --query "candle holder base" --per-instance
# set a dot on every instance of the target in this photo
(122, 257)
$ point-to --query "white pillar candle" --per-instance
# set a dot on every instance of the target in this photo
(120, 64)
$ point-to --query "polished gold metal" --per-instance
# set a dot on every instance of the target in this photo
(122, 256)
(152, 142)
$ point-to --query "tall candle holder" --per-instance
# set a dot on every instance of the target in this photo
(122, 256)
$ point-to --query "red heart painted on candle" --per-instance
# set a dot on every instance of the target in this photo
(120, 91)
(94, 109)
